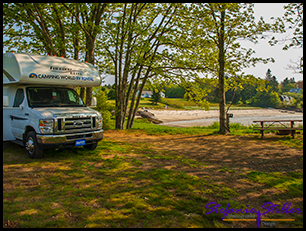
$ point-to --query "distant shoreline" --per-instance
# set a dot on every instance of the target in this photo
(190, 118)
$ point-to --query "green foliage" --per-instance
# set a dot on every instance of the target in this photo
(108, 123)
(131, 40)
(266, 99)
(43, 28)
(103, 106)
(174, 91)
(178, 103)
(288, 87)
(287, 81)
(155, 98)
(101, 94)
(298, 99)
(291, 21)
(173, 43)
(156, 90)
(294, 16)
(111, 94)
(272, 82)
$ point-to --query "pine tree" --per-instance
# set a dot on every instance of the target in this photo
(155, 98)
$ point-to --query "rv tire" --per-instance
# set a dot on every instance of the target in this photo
(34, 151)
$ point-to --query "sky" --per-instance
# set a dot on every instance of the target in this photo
(264, 50)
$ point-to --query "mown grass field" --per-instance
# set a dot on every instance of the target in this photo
(154, 176)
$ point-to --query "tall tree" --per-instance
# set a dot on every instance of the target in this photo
(54, 29)
(89, 17)
(294, 16)
(222, 25)
(272, 82)
(132, 38)
(291, 20)
(36, 27)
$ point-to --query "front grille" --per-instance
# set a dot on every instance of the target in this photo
(93, 121)
(76, 124)
(59, 124)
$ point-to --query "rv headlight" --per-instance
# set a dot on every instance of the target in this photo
(99, 121)
(46, 126)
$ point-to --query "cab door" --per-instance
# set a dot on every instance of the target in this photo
(19, 118)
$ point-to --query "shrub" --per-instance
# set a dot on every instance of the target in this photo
(266, 99)
(103, 107)
(107, 121)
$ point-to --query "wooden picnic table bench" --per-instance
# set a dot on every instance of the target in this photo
(282, 130)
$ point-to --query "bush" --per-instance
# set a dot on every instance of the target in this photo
(215, 125)
(103, 107)
(107, 121)
(155, 98)
(266, 99)
(297, 99)
(288, 87)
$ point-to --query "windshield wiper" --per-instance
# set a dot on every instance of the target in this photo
(57, 105)
(72, 105)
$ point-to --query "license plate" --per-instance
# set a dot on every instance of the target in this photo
(80, 142)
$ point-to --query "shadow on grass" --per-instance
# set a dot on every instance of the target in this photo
(117, 185)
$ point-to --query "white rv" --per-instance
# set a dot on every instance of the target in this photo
(41, 108)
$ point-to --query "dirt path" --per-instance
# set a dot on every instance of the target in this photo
(227, 160)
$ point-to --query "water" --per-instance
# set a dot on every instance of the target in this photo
(245, 120)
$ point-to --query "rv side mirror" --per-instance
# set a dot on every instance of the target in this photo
(93, 102)
(5, 101)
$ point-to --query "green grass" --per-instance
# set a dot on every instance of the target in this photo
(153, 129)
(101, 188)
(124, 185)
(235, 129)
(291, 183)
(294, 143)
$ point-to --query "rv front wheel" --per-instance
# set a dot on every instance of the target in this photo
(34, 151)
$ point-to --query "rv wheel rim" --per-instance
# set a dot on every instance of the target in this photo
(30, 145)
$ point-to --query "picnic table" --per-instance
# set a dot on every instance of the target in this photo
(283, 130)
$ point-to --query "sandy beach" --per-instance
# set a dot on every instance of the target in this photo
(190, 118)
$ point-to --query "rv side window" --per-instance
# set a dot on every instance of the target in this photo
(18, 98)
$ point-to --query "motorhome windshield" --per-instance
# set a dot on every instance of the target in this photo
(53, 97)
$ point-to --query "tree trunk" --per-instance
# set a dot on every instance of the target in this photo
(90, 58)
(120, 118)
(82, 93)
(138, 101)
(132, 110)
(76, 56)
(221, 91)
(61, 29)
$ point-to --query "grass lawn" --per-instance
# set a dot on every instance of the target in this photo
(153, 176)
